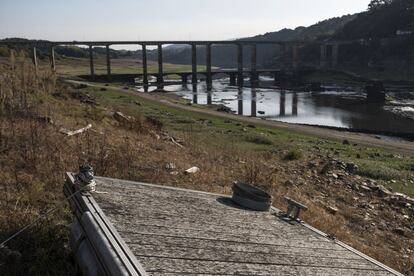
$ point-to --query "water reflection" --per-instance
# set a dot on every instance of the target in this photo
(336, 109)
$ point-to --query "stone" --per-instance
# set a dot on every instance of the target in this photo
(334, 175)
(399, 231)
(192, 170)
(346, 142)
(365, 188)
(332, 210)
(383, 191)
(223, 108)
(170, 166)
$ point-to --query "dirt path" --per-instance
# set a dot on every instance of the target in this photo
(404, 147)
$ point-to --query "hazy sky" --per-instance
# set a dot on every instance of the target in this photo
(162, 19)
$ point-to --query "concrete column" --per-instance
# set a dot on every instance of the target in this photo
(108, 63)
(160, 78)
(91, 65)
(295, 104)
(52, 59)
(193, 63)
(184, 78)
(240, 64)
(209, 97)
(208, 67)
(295, 55)
(144, 67)
(240, 101)
(282, 103)
(253, 67)
(254, 107)
(34, 58)
(323, 55)
(335, 50)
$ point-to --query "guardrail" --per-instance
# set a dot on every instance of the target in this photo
(97, 246)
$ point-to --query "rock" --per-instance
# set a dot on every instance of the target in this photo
(326, 168)
(174, 173)
(399, 231)
(223, 108)
(170, 166)
(406, 216)
(351, 168)
(192, 170)
(289, 183)
(261, 112)
(383, 191)
(365, 188)
(334, 175)
(122, 118)
(346, 142)
(251, 126)
(332, 210)
(137, 103)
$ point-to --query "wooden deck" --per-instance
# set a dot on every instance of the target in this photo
(183, 232)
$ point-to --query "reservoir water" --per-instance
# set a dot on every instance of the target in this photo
(337, 107)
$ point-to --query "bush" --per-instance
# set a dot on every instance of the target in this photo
(261, 140)
(293, 154)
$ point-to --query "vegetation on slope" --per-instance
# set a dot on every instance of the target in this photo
(34, 156)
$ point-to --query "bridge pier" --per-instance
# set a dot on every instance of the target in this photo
(232, 79)
(335, 51)
(193, 63)
(240, 101)
(144, 68)
(108, 63)
(254, 104)
(295, 104)
(282, 103)
(52, 59)
(240, 64)
(209, 97)
(209, 80)
(34, 59)
(160, 77)
(254, 80)
(91, 65)
(279, 78)
(323, 49)
(184, 79)
(295, 55)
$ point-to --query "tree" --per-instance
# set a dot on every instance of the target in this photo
(375, 4)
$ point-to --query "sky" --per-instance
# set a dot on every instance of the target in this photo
(69, 20)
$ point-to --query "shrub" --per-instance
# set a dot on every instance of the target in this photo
(261, 140)
(293, 154)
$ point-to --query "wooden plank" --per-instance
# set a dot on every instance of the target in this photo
(154, 266)
(159, 240)
(225, 255)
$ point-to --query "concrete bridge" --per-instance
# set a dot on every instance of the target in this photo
(328, 56)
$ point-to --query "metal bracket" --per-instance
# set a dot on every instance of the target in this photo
(294, 208)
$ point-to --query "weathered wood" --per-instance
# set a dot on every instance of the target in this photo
(181, 232)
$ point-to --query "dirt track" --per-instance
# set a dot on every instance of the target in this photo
(404, 147)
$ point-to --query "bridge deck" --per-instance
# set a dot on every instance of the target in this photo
(182, 232)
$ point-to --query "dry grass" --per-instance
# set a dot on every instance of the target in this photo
(34, 156)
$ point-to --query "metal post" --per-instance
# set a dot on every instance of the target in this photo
(253, 74)
(108, 63)
(194, 63)
(52, 58)
(91, 60)
(144, 68)
(335, 50)
(160, 79)
(208, 67)
(34, 57)
(239, 64)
